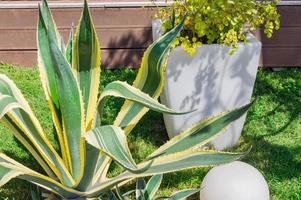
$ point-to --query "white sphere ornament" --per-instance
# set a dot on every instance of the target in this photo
(234, 181)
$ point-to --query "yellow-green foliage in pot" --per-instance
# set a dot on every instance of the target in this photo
(213, 65)
(219, 22)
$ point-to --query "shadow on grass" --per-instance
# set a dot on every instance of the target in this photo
(286, 94)
(274, 160)
(285, 97)
(17, 189)
(273, 128)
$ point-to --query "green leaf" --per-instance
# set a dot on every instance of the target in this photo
(190, 159)
(92, 157)
(71, 106)
(202, 133)
(47, 74)
(45, 60)
(181, 195)
(113, 196)
(153, 185)
(72, 111)
(150, 79)
(45, 63)
(140, 186)
(86, 65)
(10, 169)
(112, 141)
(101, 168)
(29, 145)
(124, 90)
(50, 24)
(171, 163)
(7, 172)
(36, 193)
(7, 103)
(128, 193)
(18, 116)
(69, 47)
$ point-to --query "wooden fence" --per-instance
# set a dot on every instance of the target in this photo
(126, 32)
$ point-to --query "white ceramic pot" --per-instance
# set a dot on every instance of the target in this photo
(211, 81)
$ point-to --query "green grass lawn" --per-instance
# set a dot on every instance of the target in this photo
(273, 128)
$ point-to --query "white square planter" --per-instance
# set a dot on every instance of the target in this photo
(211, 81)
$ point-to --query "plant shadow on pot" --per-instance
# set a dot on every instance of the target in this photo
(212, 81)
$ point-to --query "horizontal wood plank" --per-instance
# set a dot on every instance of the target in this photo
(111, 58)
(281, 57)
(112, 17)
(290, 16)
(103, 18)
(284, 37)
(76, 0)
(117, 38)
(92, 4)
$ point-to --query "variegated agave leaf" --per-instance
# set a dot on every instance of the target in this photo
(112, 141)
(148, 191)
(10, 168)
(18, 116)
(46, 68)
(70, 101)
(180, 151)
(86, 63)
(180, 195)
(170, 163)
(150, 79)
(86, 67)
(201, 133)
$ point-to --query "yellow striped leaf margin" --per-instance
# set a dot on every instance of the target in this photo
(86, 66)
(86, 63)
(153, 185)
(181, 195)
(69, 47)
(7, 103)
(71, 105)
(112, 141)
(46, 68)
(171, 163)
(124, 90)
(150, 78)
(10, 169)
(29, 132)
(202, 133)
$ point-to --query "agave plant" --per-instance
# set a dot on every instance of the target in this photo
(70, 78)
(147, 191)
